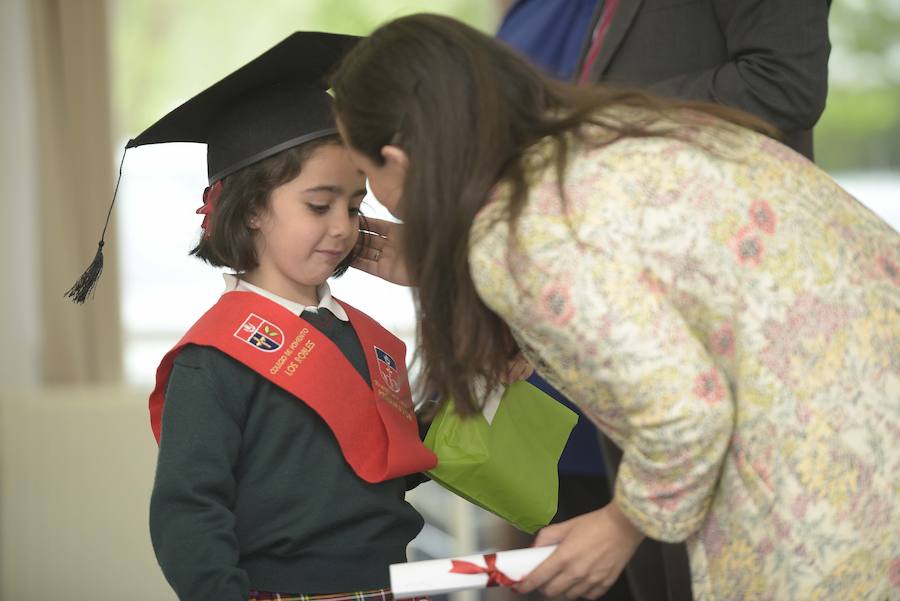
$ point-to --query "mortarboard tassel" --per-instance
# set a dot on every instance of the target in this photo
(85, 285)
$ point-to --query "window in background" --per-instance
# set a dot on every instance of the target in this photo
(858, 137)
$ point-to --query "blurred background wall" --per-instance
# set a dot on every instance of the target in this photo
(77, 79)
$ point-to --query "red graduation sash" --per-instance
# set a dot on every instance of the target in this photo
(375, 427)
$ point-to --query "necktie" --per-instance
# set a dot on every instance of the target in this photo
(606, 17)
(341, 333)
(323, 320)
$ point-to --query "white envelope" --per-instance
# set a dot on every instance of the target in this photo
(433, 577)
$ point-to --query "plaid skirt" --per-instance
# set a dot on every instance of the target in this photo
(380, 594)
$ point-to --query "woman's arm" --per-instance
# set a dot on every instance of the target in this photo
(589, 314)
(593, 550)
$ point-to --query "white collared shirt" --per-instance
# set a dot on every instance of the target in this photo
(326, 301)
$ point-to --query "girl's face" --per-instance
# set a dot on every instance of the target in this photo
(311, 224)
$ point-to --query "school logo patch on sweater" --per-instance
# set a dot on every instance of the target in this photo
(261, 334)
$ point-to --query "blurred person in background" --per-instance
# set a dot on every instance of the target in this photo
(767, 58)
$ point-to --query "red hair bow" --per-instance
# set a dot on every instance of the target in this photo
(210, 197)
(495, 576)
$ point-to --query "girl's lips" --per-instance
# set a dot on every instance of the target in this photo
(337, 254)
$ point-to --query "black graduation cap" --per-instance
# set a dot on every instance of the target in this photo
(275, 102)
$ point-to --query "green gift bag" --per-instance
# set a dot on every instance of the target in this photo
(507, 466)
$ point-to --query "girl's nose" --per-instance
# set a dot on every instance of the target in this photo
(341, 225)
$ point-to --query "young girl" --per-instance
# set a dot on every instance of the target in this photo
(284, 416)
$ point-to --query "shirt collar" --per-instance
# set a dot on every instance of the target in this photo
(326, 301)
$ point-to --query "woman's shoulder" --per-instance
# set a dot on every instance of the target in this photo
(675, 130)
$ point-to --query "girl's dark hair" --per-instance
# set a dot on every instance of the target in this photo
(245, 193)
(466, 109)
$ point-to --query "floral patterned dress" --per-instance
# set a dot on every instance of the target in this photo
(730, 317)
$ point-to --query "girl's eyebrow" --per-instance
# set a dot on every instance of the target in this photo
(325, 188)
(336, 190)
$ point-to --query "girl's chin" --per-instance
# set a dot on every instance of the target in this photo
(320, 278)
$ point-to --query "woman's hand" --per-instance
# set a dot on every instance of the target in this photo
(593, 550)
(517, 369)
(383, 254)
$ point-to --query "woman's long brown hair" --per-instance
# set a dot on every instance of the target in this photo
(466, 109)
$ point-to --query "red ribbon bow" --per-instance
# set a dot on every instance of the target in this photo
(495, 576)
(210, 197)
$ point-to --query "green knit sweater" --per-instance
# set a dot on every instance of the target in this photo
(252, 492)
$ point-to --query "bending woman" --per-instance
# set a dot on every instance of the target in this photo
(719, 306)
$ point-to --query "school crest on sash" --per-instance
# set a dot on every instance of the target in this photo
(261, 334)
(387, 367)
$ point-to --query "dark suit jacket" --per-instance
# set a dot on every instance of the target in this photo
(767, 57)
